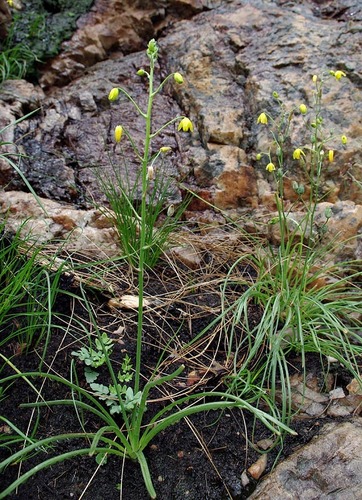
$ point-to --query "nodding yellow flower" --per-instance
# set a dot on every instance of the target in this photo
(297, 154)
(165, 149)
(303, 109)
(118, 131)
(331, 155)
(185, 125)
(178, 78)
(315, 78)
(270, 167)
(338, 74)
(344, 139)
(113, 95)
(258, 156)
(10, 2)
(262, 118)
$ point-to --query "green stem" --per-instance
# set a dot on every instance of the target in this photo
(143, 229)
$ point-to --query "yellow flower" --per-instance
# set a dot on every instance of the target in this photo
(303, 109)
(338, 74)
(297, 154)
(10, 2)
(344, 139)
(315, 78)
(118, 131)
(262, 118)
(331, 155)
(165, 149)
(113, 95)
(270, 167)
(178, 78)
(185, 125)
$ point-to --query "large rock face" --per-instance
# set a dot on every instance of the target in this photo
(233, 54)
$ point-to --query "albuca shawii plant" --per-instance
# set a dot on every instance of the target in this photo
(126, 397)
(307, 304)
(139, 237)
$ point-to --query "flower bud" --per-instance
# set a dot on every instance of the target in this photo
(118, 131)
(152, 49)
(178, 78)
(331, 155)
(315, 78)
(303, 109)
(150, 173)
(113, 95)
(165, 149)
(141, 72)
(275, 95)
(344, 139)
(328, 213)
(258, 156)
(170, 210)
(298, 188)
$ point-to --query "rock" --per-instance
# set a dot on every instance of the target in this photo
(328, 467)
(231, 63)
(5, 18)
(48, 221)
(258, 467)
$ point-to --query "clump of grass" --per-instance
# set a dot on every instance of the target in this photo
(308, 303)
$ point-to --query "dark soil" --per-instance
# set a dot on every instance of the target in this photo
(201, 458)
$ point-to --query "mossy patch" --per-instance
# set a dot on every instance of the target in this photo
(42, 26)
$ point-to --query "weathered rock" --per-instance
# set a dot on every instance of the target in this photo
(328, 467)
(5, 18)
(232, 61)
(45, 221)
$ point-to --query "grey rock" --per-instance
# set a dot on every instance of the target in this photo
(329, 467)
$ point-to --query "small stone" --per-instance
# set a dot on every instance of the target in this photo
(337, 393)
(257, 469)
(245, 479)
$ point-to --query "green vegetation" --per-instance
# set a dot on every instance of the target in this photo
(304, 305)
(36, 34)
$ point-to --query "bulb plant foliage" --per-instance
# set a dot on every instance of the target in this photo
(125, 430)
(307, 305)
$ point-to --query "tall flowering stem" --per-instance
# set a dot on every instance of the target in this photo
(152, 54)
